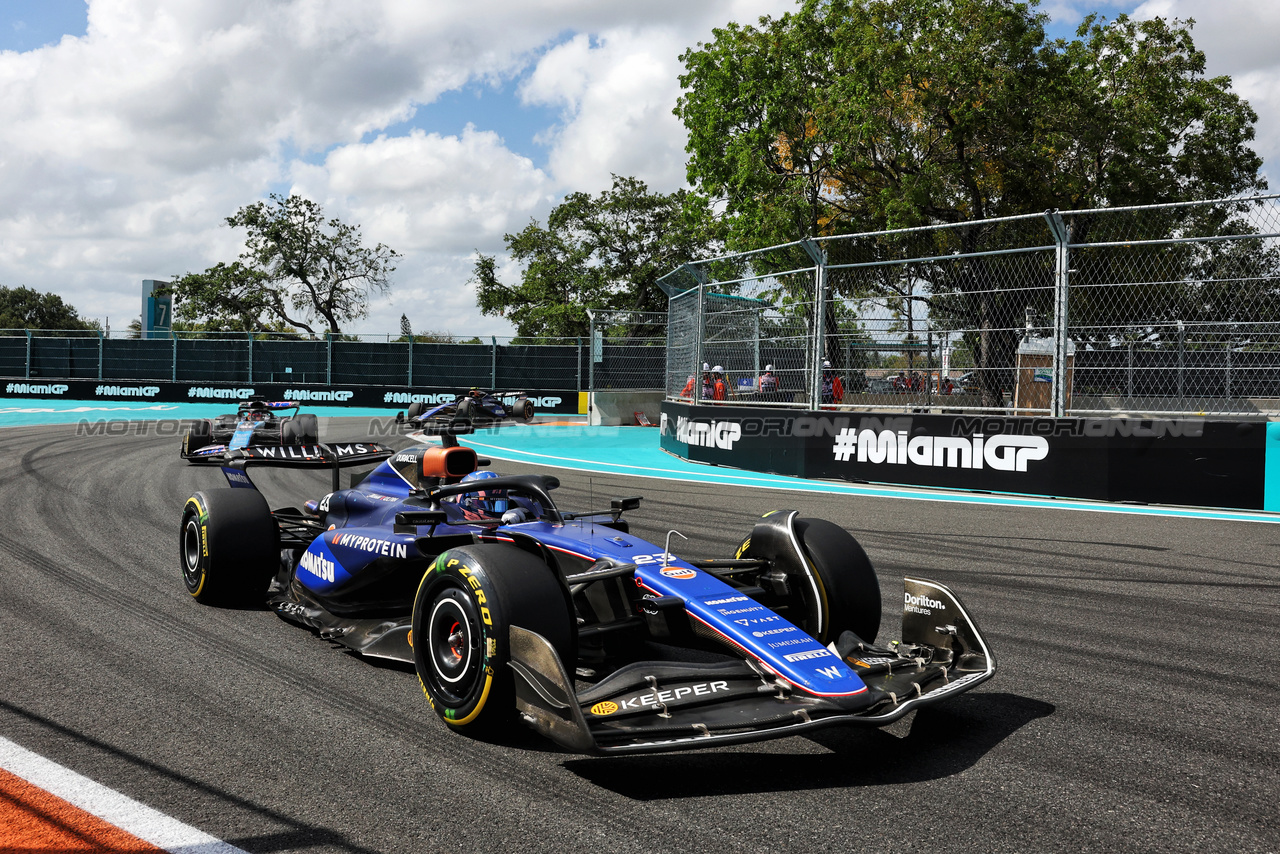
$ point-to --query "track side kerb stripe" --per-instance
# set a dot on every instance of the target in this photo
(135, 818)
(1271, 472)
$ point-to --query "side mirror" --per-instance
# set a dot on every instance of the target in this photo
(407, 521)
(621, 505)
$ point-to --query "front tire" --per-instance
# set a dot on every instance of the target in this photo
(462, 615)
(229, 547)
(200, 435)
(836, 591)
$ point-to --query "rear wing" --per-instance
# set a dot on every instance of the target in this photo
(330, 455)
(271, 405)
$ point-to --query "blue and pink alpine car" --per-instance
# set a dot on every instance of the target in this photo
(257, 421)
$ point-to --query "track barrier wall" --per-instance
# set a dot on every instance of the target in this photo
(1184, 461)
(545, 401)
(615, 362)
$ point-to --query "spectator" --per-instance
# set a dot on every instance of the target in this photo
(718, 389)
(832, 388)
(768, 382)
(687, 391)
(706, 381)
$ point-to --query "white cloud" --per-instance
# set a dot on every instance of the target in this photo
(1238, 38)
(122, 151)
(617, 96)
(427, 192)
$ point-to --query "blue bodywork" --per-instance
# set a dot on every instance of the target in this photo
(353, 560)
(365, 539)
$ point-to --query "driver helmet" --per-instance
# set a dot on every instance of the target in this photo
(493, 502)
(476, 392)
(257, 411)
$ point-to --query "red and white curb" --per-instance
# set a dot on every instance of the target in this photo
(36, 809)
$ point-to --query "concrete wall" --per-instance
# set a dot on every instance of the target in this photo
(618, 408)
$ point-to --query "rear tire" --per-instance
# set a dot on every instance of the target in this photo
(462, 614)
(229, 547)
(526, 410)
(416, 409)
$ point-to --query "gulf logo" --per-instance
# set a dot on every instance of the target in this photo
(679, 572)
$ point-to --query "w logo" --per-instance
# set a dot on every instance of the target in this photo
(830, 672)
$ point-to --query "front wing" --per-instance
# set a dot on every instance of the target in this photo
(661, 706)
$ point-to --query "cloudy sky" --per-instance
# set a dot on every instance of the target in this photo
(129, 129)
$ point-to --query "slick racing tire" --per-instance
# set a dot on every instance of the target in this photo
(468, 410)
(416, 409)
(465, 606)
(526, 409)
(229, 547)
(844, 593)
(200, 434)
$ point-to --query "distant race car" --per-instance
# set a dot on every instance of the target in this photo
(256, 422)
(477, 407)
(513, 610)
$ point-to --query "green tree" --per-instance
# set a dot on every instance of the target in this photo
(27, 308)
(297, 268)
(858, 115)
(596, 252)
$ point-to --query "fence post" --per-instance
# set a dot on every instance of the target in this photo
(173, 362)
(819, 257)
(99, 355)
(591, 363)
(410, 373)
(1130, 380)
(1228, 368)
(249, 341)
(928, 369)
(328, 362)
(28, 353)
(493, 363)
(698, 335)
(579, 363)
(1182, 353)
(1061, 287)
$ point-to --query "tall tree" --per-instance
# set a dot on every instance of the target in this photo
(27, 308)
(297, 268)
(856, 115)
(596, 252)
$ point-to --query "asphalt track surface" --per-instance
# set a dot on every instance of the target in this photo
(1135, 708)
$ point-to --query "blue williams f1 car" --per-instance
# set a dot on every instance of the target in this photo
(477, 407)
(512, 609)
